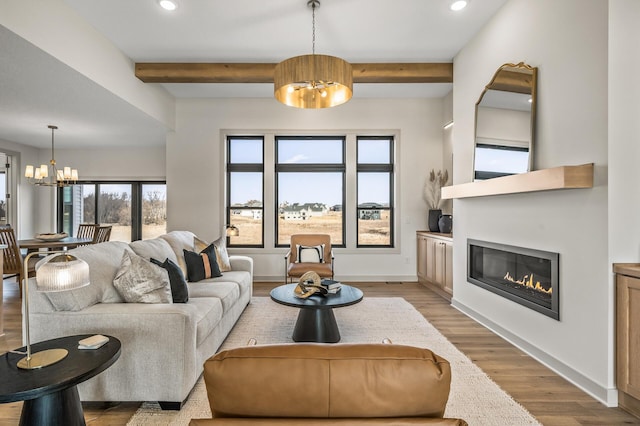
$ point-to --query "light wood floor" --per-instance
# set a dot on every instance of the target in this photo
(550, 398)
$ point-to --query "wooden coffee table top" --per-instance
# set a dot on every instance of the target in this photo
(348, 295)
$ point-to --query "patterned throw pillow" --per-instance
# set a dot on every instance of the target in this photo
(139, 281)
(202, 265)
(179, 289)
(222, 256)
(310, 254)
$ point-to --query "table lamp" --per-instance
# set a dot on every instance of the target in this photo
(58, 272)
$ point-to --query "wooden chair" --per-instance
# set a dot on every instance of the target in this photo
(12, 258)
(295, 269)
(87, 230)
(102, 234)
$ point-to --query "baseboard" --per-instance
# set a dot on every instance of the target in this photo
(349, 278)
(608, 396)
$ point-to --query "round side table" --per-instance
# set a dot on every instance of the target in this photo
(50, 394)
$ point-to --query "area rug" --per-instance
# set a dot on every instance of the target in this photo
(474, 396)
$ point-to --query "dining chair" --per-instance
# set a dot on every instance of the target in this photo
(12, 258)
(102, 234)
(87, 230)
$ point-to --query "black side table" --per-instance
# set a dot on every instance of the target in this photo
(50, 394)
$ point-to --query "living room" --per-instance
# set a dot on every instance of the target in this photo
(585, 114)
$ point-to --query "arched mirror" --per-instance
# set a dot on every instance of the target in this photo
(505, 123)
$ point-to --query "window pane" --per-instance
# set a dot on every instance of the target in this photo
(501, 159)
(374, 224)
(310, 151)
(245, 151)
(154, 210)
(310, 203)
(246, 191)
(114, 208)
(374, 151)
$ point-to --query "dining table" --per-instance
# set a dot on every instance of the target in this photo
(35, 244)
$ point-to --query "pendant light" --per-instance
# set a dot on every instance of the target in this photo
(313, 81)
(50, 175)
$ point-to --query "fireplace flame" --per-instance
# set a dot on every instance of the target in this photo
(527, 281)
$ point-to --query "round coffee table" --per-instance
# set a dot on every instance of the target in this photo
(316, 322)
(50, 394)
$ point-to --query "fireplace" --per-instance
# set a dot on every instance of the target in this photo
(526, 276)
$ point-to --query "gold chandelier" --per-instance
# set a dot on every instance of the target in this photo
(48, 174)
(313, 81)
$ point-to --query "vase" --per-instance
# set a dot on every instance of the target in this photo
(445, 223)
(434, 216)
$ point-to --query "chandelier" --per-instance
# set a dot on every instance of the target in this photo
(50, 175)
(313, 81)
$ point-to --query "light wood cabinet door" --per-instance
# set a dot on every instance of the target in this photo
(628, 334)
(431, 259)
(422, 257)
(448, 267)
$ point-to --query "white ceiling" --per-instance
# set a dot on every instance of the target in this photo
(35, 85)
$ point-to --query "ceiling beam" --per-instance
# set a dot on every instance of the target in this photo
(158, 72)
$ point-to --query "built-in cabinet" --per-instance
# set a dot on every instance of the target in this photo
(628, 335)
(435, 260)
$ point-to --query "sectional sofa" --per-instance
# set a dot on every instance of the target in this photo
(164, 345)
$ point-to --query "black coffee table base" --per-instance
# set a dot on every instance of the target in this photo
(316, 325)
(57, 408)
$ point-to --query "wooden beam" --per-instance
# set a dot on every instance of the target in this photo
(158, 72)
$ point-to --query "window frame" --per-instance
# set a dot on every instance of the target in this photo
(136, 202)
(377, 168)
(310, 168)
(243, 168)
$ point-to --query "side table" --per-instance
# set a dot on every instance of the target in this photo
(50, 394)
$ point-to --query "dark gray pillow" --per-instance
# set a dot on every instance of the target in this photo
(179, 289)
(202, 265)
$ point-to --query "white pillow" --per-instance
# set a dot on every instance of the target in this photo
(310, 254)
(140, 281)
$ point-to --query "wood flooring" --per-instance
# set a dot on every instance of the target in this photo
(549, 397)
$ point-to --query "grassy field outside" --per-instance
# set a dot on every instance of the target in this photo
(372, 232)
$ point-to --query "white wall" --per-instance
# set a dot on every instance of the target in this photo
(624, 131)
(195, 170)
(571, 55)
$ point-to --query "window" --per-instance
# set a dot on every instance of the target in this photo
(500, 160)
(245, 170)
(375, 191)
(135, 209)
(310, 179)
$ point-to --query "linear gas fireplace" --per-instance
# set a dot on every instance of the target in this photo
(526, 276)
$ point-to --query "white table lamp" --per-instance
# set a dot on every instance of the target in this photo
(58, 272)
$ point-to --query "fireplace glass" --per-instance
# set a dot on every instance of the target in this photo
(526, 276)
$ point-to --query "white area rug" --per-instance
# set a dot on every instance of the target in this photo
(474, 396)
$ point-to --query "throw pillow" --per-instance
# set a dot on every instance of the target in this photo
(222, 256)
(202, 265)
(138, 281)
(310, 254)
(179, 289)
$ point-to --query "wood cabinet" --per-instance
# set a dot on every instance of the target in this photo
(2, 247)
(435, 260)
(628, 336)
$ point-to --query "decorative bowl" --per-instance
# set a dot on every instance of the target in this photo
(51, 236)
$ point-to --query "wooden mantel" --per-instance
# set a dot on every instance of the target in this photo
(564, 177)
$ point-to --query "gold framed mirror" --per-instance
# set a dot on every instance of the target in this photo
(505, 123)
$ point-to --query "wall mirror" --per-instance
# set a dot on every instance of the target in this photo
(505, 123)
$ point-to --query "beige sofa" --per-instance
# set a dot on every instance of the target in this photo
(324, 384)
(164, 345)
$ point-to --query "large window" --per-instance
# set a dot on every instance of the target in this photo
(375, 191)
(136, 210)
(245, 170)
(310, 179)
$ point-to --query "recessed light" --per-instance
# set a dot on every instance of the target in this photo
(168, 4)
(458, 5)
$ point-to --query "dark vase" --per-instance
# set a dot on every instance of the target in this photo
(445, 223)
(434, 216)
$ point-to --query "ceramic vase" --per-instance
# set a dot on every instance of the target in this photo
(445, 223)
(432, 221)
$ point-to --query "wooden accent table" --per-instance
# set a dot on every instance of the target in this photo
(316, 322)
(69, 242)
(50, 393)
